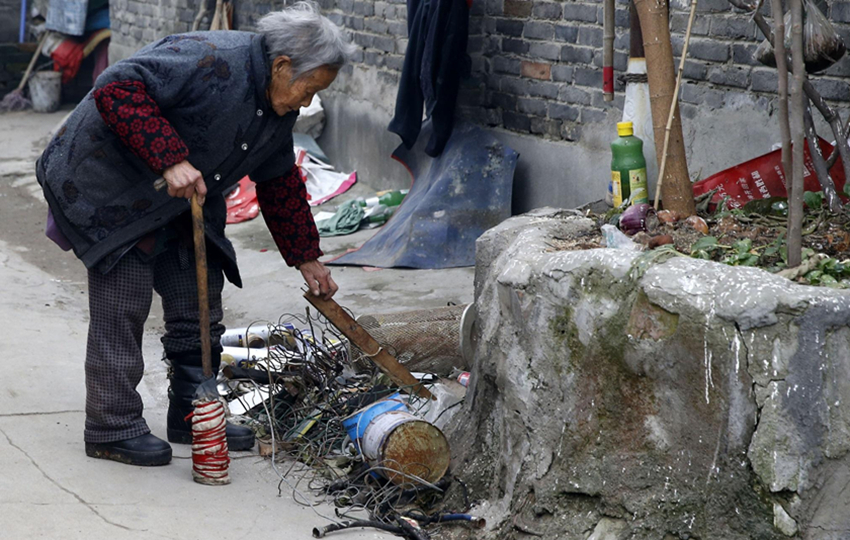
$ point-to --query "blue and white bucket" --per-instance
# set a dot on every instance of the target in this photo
(356, 424)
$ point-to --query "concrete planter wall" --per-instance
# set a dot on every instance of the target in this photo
(618, 395)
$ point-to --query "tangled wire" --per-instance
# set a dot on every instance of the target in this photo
(296, 398)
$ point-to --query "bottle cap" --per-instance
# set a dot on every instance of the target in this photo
(625, 129)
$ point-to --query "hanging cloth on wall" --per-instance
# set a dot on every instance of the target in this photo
(433, 65)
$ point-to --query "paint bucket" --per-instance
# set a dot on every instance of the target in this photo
(404, 448)
(356, 424)
(45, 90)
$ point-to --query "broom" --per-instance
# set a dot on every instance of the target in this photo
(15, 100)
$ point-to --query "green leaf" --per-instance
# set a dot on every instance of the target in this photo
(814, 277)
(847, 188)
(706, 243)
(813, 200)
(743, 246)
(701, 255)
(828, 280)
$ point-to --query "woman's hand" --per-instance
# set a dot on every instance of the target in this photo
(318, 279)
(183, 180)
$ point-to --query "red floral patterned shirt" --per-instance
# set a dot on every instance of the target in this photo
(135, 117)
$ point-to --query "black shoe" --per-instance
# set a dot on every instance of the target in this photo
(144, 450)
(184, 381)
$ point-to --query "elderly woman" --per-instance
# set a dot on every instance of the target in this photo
(200, 110)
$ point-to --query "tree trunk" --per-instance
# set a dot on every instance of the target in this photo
(676, 190)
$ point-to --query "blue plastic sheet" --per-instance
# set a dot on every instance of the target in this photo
(454, 199)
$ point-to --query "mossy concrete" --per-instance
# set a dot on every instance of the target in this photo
(626, 396)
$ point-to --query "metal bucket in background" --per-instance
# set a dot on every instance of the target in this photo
(45, 90)
(430, 341)
(404, 448)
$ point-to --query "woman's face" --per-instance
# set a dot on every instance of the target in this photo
(287, 95)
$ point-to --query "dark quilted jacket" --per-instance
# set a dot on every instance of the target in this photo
(211, 87)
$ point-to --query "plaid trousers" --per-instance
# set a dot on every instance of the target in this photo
(119, 305)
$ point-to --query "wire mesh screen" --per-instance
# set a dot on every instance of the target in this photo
(427, 341)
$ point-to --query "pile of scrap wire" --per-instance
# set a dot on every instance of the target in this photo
(310, 396)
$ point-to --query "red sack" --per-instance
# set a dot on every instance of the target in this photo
(242, 202)
(761, 178)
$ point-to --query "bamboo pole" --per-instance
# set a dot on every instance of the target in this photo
(673, 105)
(782, 67)
(796, 106)
(608, 50)
(677, 191)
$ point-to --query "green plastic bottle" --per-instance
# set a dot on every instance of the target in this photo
(387, 198)
(628, 167)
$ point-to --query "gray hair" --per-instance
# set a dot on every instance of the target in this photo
(307, 37)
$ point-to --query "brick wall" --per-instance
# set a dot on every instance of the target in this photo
(536, 65)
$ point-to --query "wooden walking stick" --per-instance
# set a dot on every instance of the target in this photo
(210, 459)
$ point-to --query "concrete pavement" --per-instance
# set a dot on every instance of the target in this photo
(48, 487)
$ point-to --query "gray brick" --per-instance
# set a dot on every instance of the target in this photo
(373, 58)
(543, 89)
(394, 61)
(356, 23)
(832, 89)
(695, 70)
(549, 51)
(714, 6)
(364, 40)
(562, 73)
(700, 94)
(579, 12)
(840, 12)
(516, 122)
(397, 28)
(576, 55)
(546, 10)
(567, 34)
(590, 35)
(621, 18)
(686, 110)
(726, 76)
(516, 87)
(534, 107)
(599, 102)
(591, 116)
(764, 80)
(517, 8)
(679, 24)
(515, 46)
(539, 30)
(704, 49)
(509, 66)
(506, 102)
(377, 26)
(588, 77)
(559, 111)
(509, 27)
(573, 95)
(735, 27)
(745, 53)
(621, 41)
(546, 127)
(492, 7)
(363, 8)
